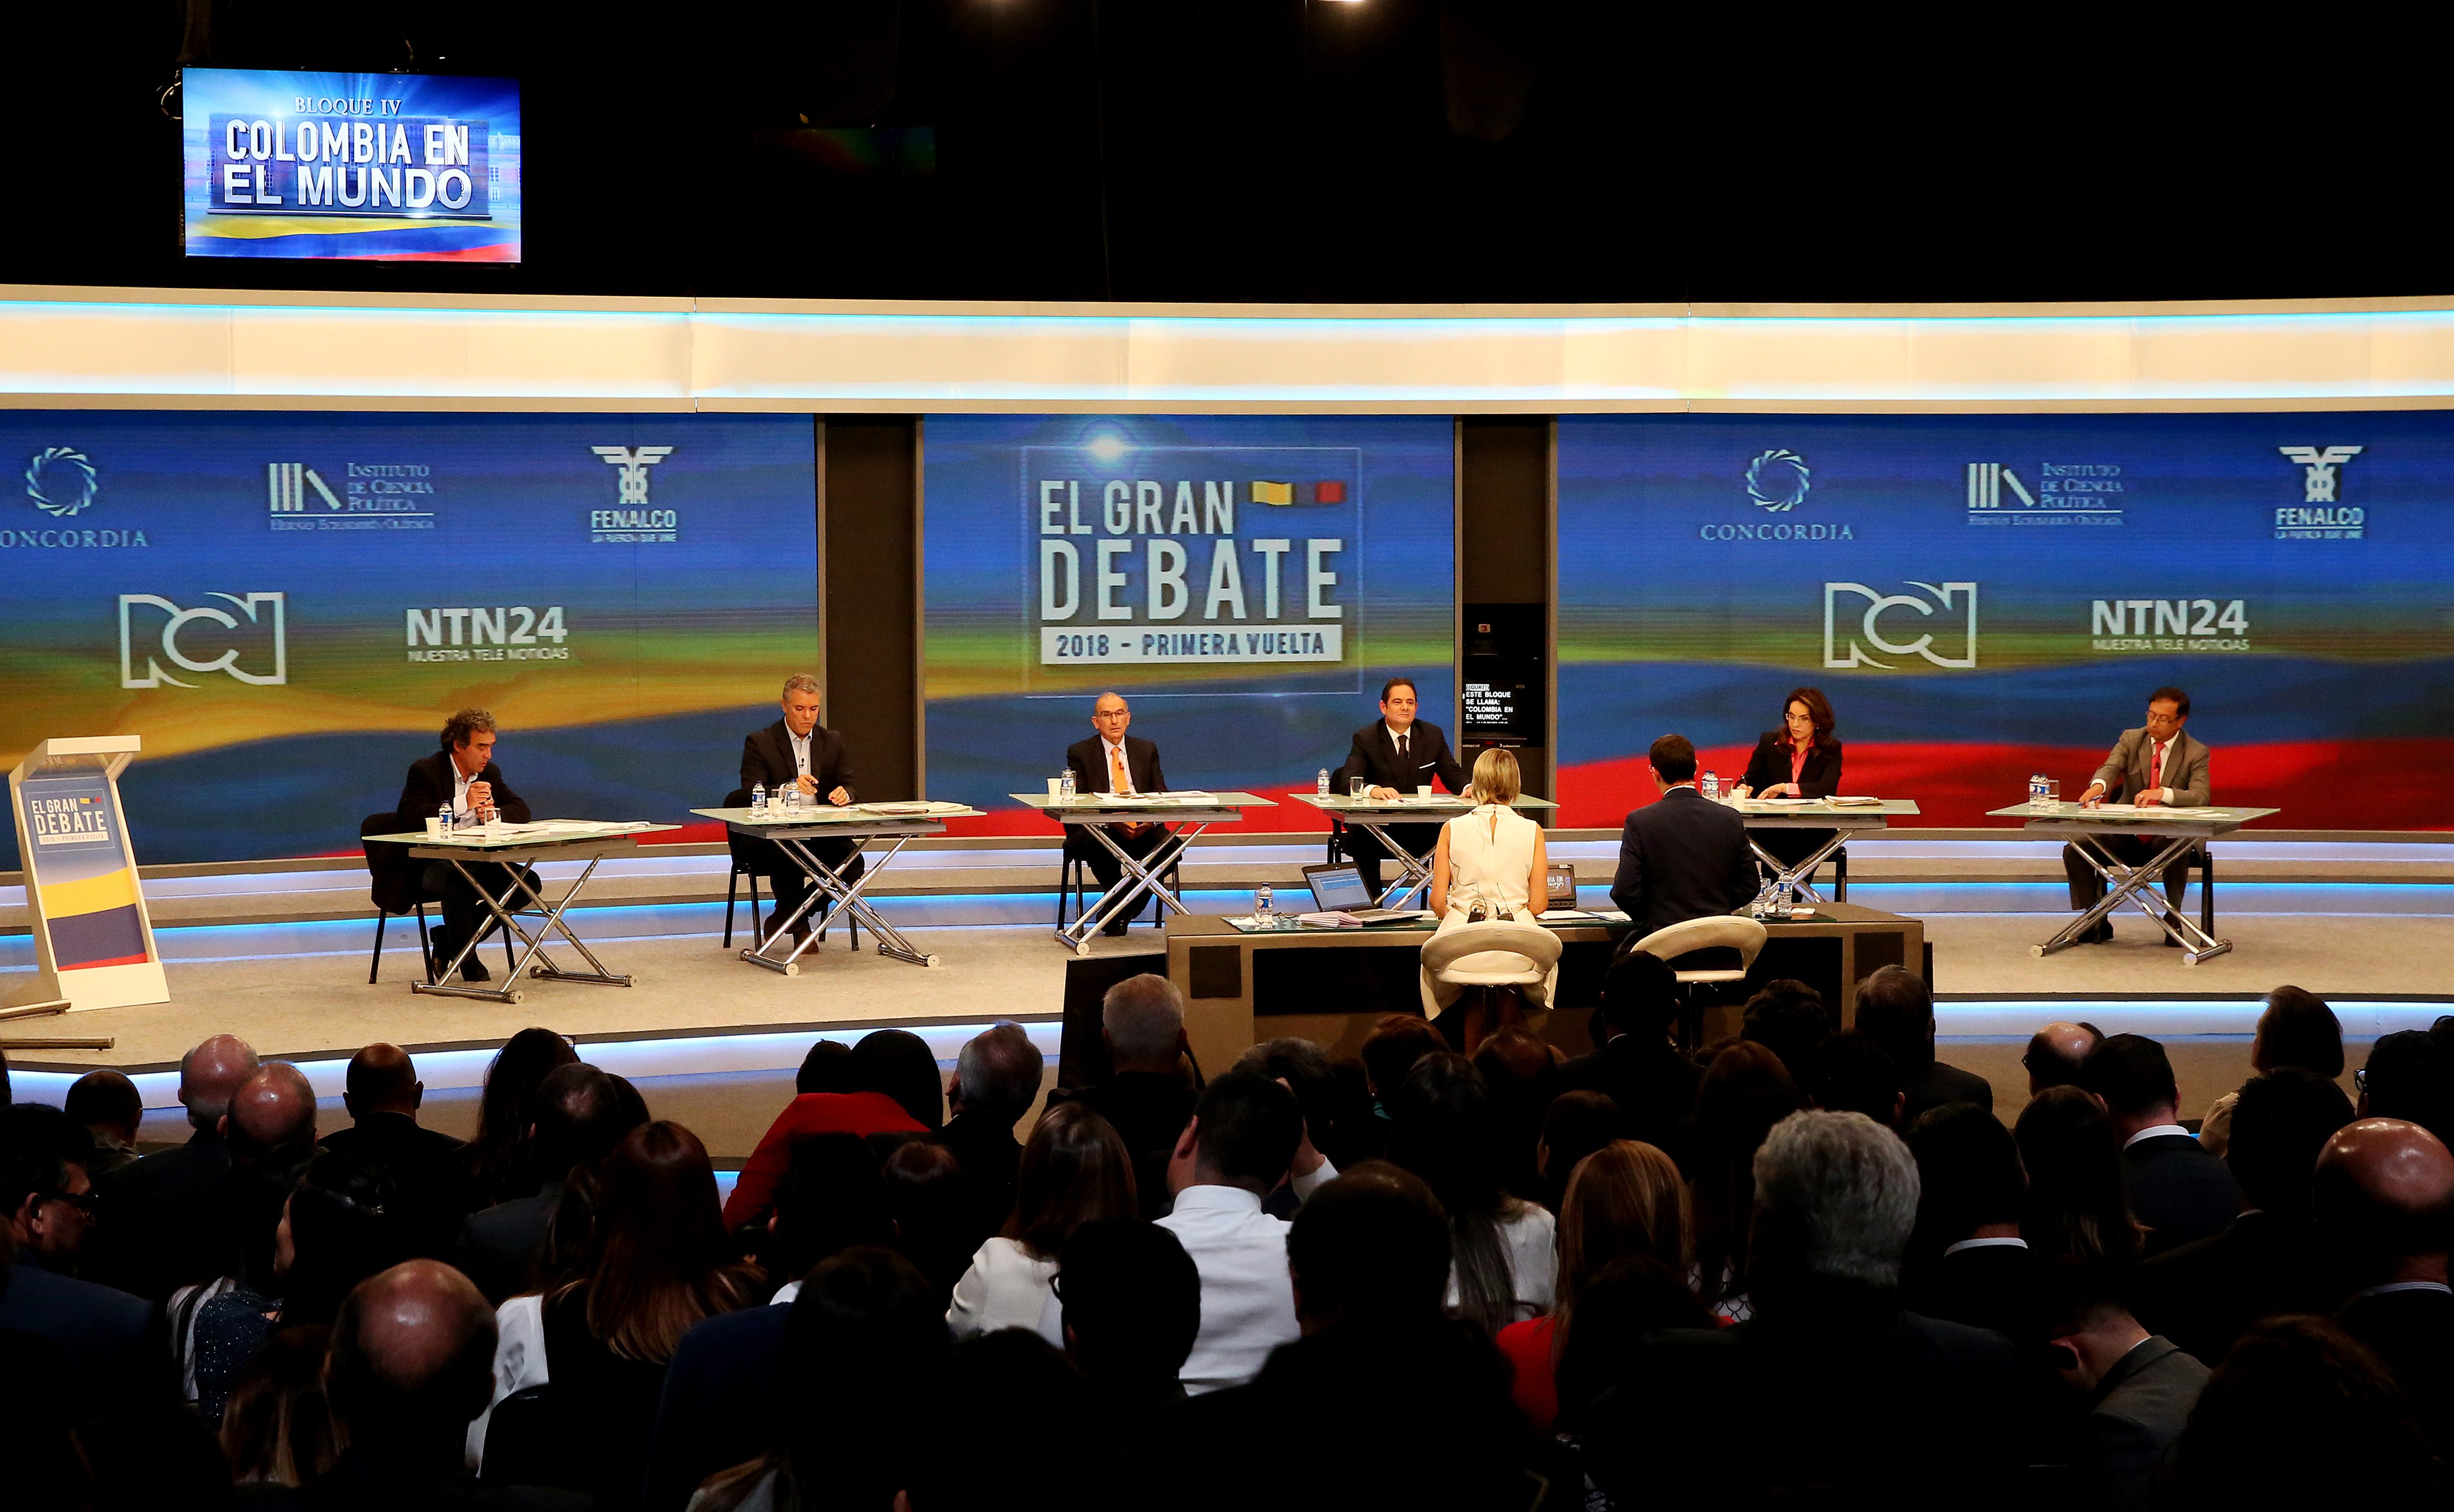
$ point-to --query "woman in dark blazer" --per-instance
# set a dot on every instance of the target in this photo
(1799, 760)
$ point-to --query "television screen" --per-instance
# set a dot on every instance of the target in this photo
(374, 167)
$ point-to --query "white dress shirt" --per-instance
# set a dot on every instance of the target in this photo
(2005, 1242)
(1007, 1287)
(460, 782)
(2159, 1131)
(1529, 1237)
(800, 749)
(1248, 1303)
(1114, 760)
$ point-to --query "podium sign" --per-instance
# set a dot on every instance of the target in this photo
(93, 944)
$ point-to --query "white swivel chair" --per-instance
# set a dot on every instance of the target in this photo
(1720, 932)
(1495, 953)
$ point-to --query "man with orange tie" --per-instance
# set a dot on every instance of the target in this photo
(2154, 765)
(1113, 761)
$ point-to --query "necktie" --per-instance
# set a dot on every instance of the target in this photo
(1402, 748)
(2156, 770)
(1117, 780)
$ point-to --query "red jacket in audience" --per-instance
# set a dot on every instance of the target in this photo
(862, 1113)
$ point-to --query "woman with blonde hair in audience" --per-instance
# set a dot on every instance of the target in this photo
(1074, 1169)
(1624, 1198)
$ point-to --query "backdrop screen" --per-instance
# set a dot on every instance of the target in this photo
(285, 607)
(1987, 597)
(1247, 582)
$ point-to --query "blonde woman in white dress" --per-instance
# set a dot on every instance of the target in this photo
(1491, 864)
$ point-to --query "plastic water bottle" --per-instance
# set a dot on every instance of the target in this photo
(1321, 784)
(758, 801)
(1067, 790)
(792, 797)
(2037, 788)
(1262, 913)
(1713, 784)
(444, 813)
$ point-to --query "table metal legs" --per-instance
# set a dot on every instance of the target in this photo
(1801, 878)
(842, 897)
(1140, 880)
(2140, 885)
(1414, 872)
(545, 969)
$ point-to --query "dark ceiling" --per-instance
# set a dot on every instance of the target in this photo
(1451, 151)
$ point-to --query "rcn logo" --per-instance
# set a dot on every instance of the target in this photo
(265, 641)
(1947, 617)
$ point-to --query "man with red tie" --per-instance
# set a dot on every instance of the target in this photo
(2155, 763)
(1112, 762)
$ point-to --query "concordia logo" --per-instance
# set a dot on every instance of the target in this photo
(1777, 482)
(61, 482)
(1956, 600)
(177, 620)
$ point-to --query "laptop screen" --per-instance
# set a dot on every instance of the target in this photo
(1337, 887)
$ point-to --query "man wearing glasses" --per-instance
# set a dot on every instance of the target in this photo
(2155, 763)
(1113, 761)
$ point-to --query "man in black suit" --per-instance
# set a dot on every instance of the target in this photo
(575, 1117)
(1830, 1357)
(1113, 761)
(2137, 1390)
(1395, 754)
(2205, 1295)
(1970, 1266)
(2179, 1191)
(997, 1079)
(798, 751)
(1639, 1066)
(2384, 1193)
(145, 1242)
(382, 1094)
(463, 775)
(1682, 857)
(1897, 1007)
(1147, 1099)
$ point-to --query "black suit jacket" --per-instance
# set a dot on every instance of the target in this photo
(115, 1354)
(1373, 756)
(427, 1169)
(1940, 1083)
(1089, 759)
(1769, 767)
(430, 782)
(986, 1150)
(2178, 1191)
(498, 1244)
(767, 757)
(2413, 1332)
(1995, 1287)
(2205, 1295)
(721, 1404)
(1682, 857)
(2137, 1412)
(153, 1236)
(1148, 1109)
(1654, 1085)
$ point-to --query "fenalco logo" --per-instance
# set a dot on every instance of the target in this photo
(1947, 615)
(1777, 482)
(2320, 516)
(264, 641)
(633, 524)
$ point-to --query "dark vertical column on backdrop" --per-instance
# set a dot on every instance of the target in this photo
(1505, 551)
(869, 558)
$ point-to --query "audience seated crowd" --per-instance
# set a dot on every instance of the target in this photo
(1808, 1265)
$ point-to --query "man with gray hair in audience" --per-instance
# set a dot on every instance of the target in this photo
(148, 1242)
(1853, 1399)
(997, 1079)
(1147, 1096)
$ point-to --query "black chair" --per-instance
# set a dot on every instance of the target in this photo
(395, 886)
(528, 1444)
(748, 860)
(1076, 867)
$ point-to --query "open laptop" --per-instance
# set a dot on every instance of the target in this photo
(1337, 887)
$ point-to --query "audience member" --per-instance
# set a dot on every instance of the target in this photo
(833, 1199)
(1855, 1074)
(1307, 1071)
(1788, 1018)
(2055, 1053)
(107, 1106)
(104, 1335)
(2384, 1198)
(156, 1232)
(1396, 1043)
(1625, 1200)
(2076, 1210)
(2204, 1295)
(47, 1201)
(884, 1069)
(1615, 1307)
(1132, 1309)
(997, 1079)
(924, 1202)
(2297, 1029)
(1234, 1151)
(498, 1159)
(826, 1068)
(429, 1169)
(863, 1346)
(268, 1135)
(1007, 1406)
(1523, 1076)
(2135, 1388)
(278, 1426)
(1966, 1263)
(575, 1118)
(2179, 1191)
(1074, 1170)
(2410, 1075)
(1896, 1008)
(1503, 1250)
(1830, 1357)
(2295, 1411)
(1639, 1066)
(1147, 1096)
(1576, 1125)
(408, 1368)
(1745, 1091)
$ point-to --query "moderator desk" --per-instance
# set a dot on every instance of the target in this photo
(520, 846)
(2185, 829)
(793, 830)
(1378, 814)
(1090, 813)
(1843, 820)
(1329, 985)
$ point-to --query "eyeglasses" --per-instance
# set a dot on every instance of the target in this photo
(85, 1202)
(2361, 1080)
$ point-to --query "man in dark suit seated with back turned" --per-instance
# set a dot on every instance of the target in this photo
(1395, 754)
(1113, 761)
(1684, 857)
(798, 751)
(463, 774)
(2180, 1192)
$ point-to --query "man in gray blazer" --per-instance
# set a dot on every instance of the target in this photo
(2137, 1390)
(2155, 763)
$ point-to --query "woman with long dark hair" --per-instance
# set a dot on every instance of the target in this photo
(1745, 1091)
(1444, 1129)
(1074, 1169)
(498, 1166)
(1800, 759)
(2075, 1209)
